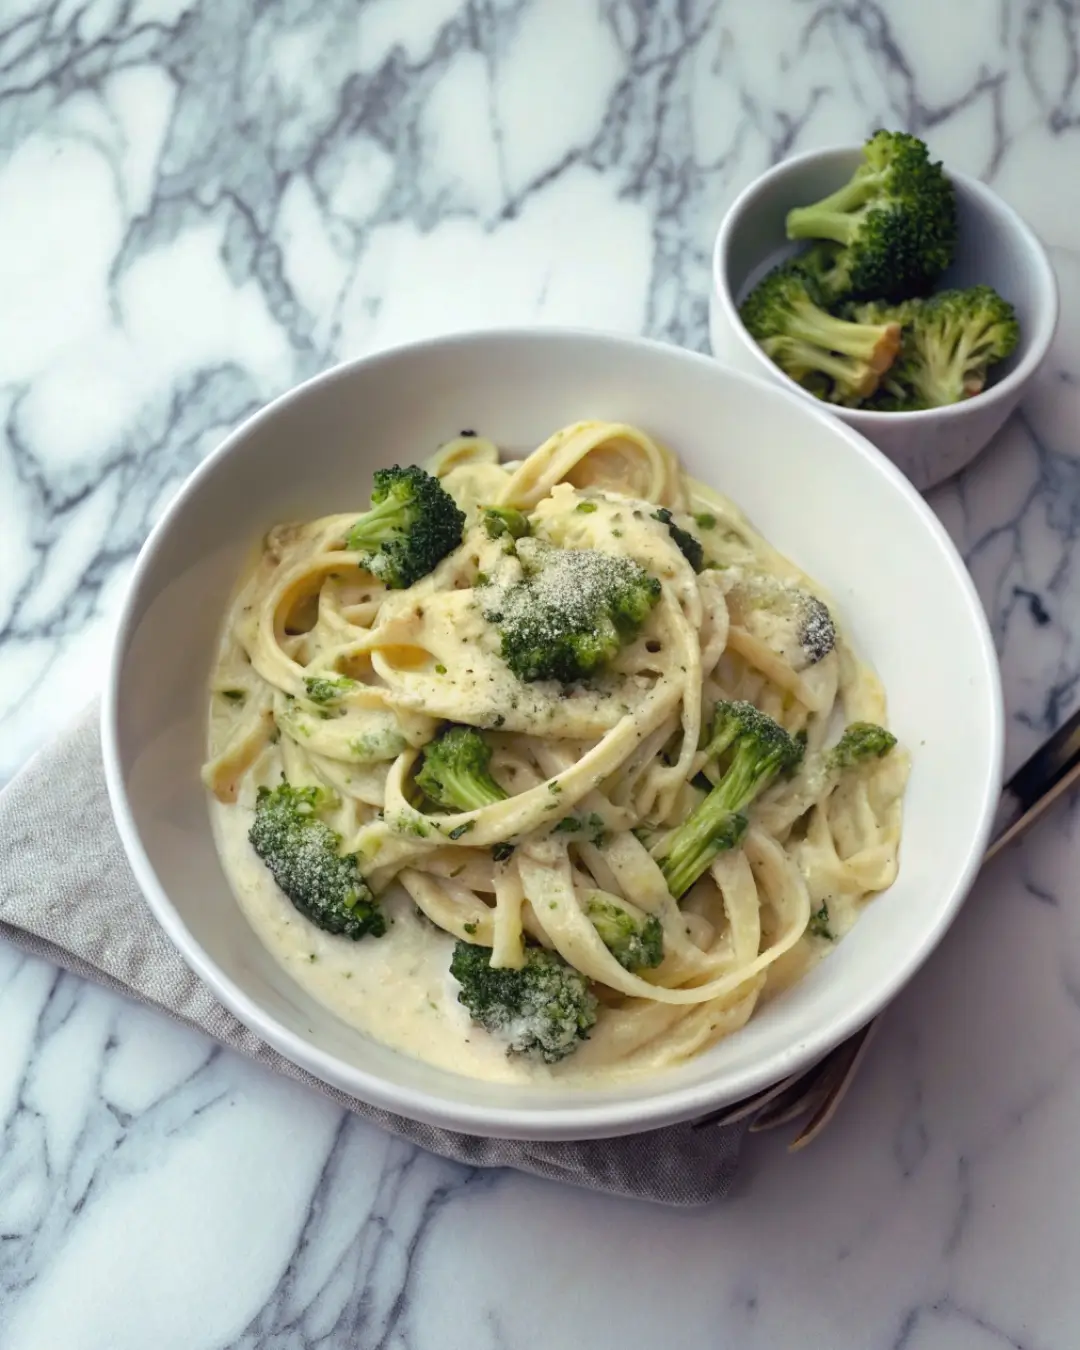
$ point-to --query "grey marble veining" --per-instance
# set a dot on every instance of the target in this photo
(204, 203)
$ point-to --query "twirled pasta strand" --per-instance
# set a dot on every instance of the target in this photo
(619, 755)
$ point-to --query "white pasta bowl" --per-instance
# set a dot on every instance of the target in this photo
(817, 490)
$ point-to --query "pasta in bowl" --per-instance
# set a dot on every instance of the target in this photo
(862, 543)
(558, 748)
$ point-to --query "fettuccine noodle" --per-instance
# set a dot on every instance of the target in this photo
(622, 752)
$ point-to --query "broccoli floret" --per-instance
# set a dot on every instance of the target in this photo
(860, 742)
(818, 263)
(895, 220)
(412, 525)
(635, 940)
(688, 546)
(751, 749)
(790, 620)
(571, 613)
(455, 771)
(303, 855)
(327, 689)
(500, 521)
(832, 358)
(544, 1010)
(949, 343)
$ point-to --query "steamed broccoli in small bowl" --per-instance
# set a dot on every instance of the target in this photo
(853, 318)
(786, 315)
(950, 343)
(895, 222)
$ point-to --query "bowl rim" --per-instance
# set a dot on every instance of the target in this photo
(532, 1119)
(1035, 345)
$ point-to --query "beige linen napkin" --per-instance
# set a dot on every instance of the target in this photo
(67, 895)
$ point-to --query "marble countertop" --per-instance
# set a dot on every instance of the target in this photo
(204, 203)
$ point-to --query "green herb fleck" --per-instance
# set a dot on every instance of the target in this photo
(705, 521)
(597, 826)
(470, 928)
(461, 829)
(377, 746)
(327, 689)
(687, 545)
(440, 669)
(585, 508)
(504, 521)
(819, 923)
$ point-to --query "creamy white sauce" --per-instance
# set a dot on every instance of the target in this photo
(396, 989)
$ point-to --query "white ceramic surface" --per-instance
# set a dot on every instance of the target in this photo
(816, 489)
(997, 248)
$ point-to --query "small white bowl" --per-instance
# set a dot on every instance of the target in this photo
(996, 249)
(818, 490)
